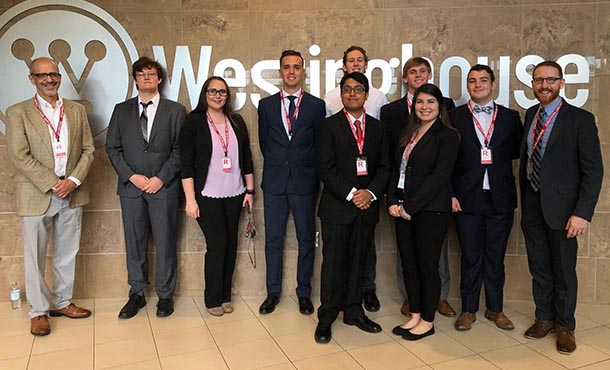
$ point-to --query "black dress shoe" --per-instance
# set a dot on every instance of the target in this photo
(269, 304)
(165, 307)
(371, 302)
(410, 336)
(132, 306)
(323, 333)
(364, 323)
(305, 306)
(400, 331)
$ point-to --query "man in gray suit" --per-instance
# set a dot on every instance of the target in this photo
(142, 144)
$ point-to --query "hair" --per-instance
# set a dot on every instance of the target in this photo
(359, 77)
(354, 48)
(290, 52)
(413, 122)
(414, 62)
(202, 105)
(548, 63)
(483, 67)
(146, 62)
(39, 59)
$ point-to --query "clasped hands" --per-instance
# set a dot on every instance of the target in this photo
(63, 188)
(362, 199)
(147, 185)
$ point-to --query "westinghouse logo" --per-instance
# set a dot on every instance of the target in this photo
(93, 51)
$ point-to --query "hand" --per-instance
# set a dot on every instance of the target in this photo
(192, 210)
(455, 205)
(248, 202)
(576, 226)
(63, 188)
(362, 199)
(140, 181)
(394, 210)
(154, 184)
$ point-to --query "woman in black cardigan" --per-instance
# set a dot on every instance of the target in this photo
(218, 181)
(419, 198)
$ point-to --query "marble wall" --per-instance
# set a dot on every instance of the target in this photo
(254, 30)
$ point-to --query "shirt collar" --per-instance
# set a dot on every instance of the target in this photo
(155, 100)
(46, 105)
(551, 107)
(296, 93)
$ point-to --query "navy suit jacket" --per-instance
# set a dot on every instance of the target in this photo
(467, 179)
(284, 158)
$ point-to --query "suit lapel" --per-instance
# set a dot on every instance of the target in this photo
(40, 126)
(558, 125)
(347, 130)
(427, 136)
(159, 119)
(471, 128)
(72, 120)
(276, 108)
(302, 114)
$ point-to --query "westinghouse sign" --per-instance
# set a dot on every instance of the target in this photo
(95, 53)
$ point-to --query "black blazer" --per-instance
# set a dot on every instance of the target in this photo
(283, 157)
(336, 153)
(428, 172)
(196, 147)
(467, 178)
(571, 171)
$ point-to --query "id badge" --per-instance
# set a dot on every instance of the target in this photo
(485, 155)
(226, 164)
(361, 167)
(401, 181)
(59, 150)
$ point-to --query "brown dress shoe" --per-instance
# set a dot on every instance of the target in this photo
(445, 309)
(540, 329)
(72, 311)
(566, 342)
(40, 326)
(501, 320)
(405, 309)
(464, 322)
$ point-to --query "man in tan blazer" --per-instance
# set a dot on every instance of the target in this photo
(50, 144)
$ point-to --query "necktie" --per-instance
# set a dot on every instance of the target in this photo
(291, 106)
(144, 121)
(358, 130)
(537, 154)
(478, 109)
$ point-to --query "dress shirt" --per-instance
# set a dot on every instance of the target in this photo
(151, 110)
(485, 121)
(373, 104)
(286, 107)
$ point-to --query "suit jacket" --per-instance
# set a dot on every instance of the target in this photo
(571, 170)
(467, 178)
(130, 154)
(284, 158)
(196, 147)
(395, 114)
(336, 153)
(428, 172)
(31, 152)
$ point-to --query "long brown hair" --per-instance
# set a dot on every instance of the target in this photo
(413, 122)
(202, 105)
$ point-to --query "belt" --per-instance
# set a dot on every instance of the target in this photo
(62, 177)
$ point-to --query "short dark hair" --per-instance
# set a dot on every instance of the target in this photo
(202, 105)
(483, 67)
(413, 122)
(549, 63)
(354, 48)
(414, 62)
(289, 52)
(146, 62)
(358, 77)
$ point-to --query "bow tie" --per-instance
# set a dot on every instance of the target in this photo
(479, 109)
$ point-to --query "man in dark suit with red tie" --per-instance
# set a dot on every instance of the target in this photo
(353, 164)
(286, 130)
(484, 195)
(560, 174)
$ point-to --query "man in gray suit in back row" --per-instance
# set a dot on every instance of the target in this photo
(142, 144)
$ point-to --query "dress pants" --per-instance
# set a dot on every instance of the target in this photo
(552, 262)
(219, 221)
(66, 225)
(483, 239)
(140, 215)
(277, 207)
(420, 242)
(344, 252)
(370, 269)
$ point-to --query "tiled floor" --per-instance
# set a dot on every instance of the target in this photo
(192, 339)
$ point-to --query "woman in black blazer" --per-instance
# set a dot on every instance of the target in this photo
(420, 200)
(218, 181)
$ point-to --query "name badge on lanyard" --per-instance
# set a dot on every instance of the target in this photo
(361, 166)
(60, 151)
(226, 160)
(226, 164)
(485, 155)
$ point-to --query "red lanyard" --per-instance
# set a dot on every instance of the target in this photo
(223, 142)
(536, 140)
(486, 136)
(56, 132)
(352, 125)
(289, 119)
(410, 146)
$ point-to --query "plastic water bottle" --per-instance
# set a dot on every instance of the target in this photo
(15, 296)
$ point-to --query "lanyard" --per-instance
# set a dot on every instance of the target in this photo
(536, 140)
(486, 136)
(56, 132)
(289, 119)
(352, 125)
(410, 146)
(409, 103)
(223, 142)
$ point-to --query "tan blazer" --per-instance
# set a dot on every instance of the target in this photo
(30, 151)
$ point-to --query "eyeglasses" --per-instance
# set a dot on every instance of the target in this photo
(213, 92)
(549, 80)
(356, 90)
(146, 74)
(43, 76)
